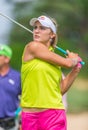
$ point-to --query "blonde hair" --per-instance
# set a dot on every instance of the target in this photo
(55, 39)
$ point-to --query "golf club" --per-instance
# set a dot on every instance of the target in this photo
(58, 48)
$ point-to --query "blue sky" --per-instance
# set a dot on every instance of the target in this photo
(5, 25)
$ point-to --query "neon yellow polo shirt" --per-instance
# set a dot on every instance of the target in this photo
(41, 85)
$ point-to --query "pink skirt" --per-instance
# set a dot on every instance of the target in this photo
(51, 119)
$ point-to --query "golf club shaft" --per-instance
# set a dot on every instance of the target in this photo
(16, 22)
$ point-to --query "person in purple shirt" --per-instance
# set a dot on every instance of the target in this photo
(10, 90)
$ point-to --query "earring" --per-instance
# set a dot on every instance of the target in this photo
(51, 40)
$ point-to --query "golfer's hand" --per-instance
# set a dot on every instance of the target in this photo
(71, 54)
(79, 65)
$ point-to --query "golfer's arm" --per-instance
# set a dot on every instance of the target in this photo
(68, 80)
(41, 51)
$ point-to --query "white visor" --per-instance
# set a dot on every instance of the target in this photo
(45, 21)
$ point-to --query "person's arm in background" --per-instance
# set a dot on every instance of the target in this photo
(69, 79)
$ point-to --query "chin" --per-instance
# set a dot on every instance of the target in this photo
(37, 40)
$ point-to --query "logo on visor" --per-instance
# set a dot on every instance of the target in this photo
(42, 18)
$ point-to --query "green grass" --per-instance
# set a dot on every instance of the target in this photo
(77, 100)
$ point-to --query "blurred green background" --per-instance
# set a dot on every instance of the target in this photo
(72, 18)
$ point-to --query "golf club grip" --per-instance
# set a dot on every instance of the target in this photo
(65, 53)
